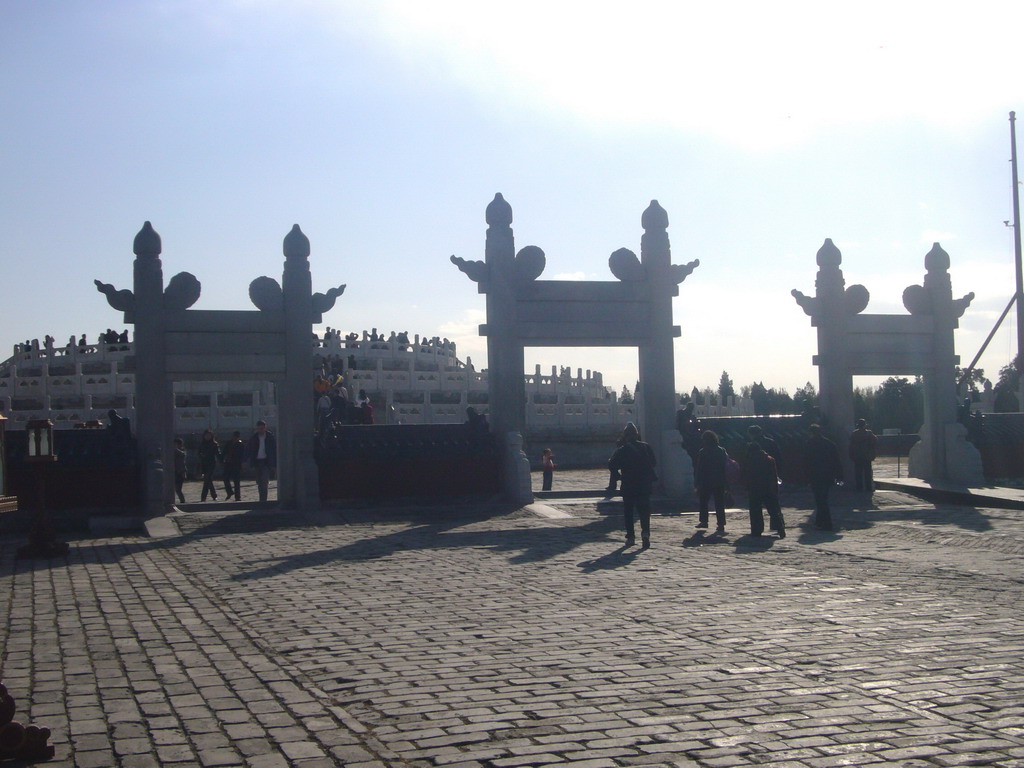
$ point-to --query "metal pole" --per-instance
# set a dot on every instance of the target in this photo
(1016, 237)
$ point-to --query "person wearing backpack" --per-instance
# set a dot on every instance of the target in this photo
(762, 480)
(635, 462)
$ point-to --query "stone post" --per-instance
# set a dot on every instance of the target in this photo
(835, 384)
(506, 385)
(154, 410)
(297, 475)
(657, 358)
(943, 452)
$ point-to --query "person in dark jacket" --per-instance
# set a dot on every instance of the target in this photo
(208, 452)
(232, 454)
(756, 435)
(762, 480)
(634, 460)
(824, 469)
(711, 479)
(862, 453)
(261, 455)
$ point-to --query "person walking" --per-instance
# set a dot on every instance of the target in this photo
(862, 453)
(208, 453)
(232, 454)
(824, 469)
(635, 462)
(762, 480)
(548, 460)
(756, 435)
(180, 472)
(711, 479)
(261, 455)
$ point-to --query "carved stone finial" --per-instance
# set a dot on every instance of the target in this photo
(655, 217)
(498, 213)
(829, 255)
(147, 242)
(296, 244)
(936, 260)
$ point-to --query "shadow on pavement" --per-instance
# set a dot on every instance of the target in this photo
(623, 555)
(525, 545)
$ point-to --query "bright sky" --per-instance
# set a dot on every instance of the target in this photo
(384, 129)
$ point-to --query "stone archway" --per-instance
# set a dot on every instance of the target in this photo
(173, 342)
(634, 311)
(920, 343)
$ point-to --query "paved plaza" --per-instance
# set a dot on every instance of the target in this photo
(470, 634)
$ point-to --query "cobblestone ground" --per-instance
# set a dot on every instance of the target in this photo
(470, 635)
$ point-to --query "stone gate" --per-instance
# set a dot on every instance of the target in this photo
(918, 344)
(272, 343)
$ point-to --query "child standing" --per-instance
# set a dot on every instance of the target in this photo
(549, 468)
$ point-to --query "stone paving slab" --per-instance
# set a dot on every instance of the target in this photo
(484, 636)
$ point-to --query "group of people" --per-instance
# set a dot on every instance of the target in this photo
(633, 463)
(258, 452)
(333, 405)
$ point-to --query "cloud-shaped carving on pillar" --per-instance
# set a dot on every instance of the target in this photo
(477, 271)
(809, 304)
(324, 302)
(855, 299)
(182, 291)
(122, 301)
(625, 265)
(529, 263)
(265, 293)
(679, 272)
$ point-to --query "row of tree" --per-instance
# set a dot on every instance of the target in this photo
(896, 403)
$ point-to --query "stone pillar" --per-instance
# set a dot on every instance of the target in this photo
(943, 452)
(154, 407)
(506, 387)
(297, 483)
(657, 357)
(835, 384)
(505, 382)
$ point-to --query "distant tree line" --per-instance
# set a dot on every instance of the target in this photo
(896, 403)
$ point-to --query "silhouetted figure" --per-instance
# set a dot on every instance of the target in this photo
(862, 453)
(689, 429)
(762, 481)
(756, 435)
(118, 442)
(635, 461)
(824, 469)
(614, 476)
(209, 451)
(711, 479)
(476, 422)
(180, 471)
(233, 454)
